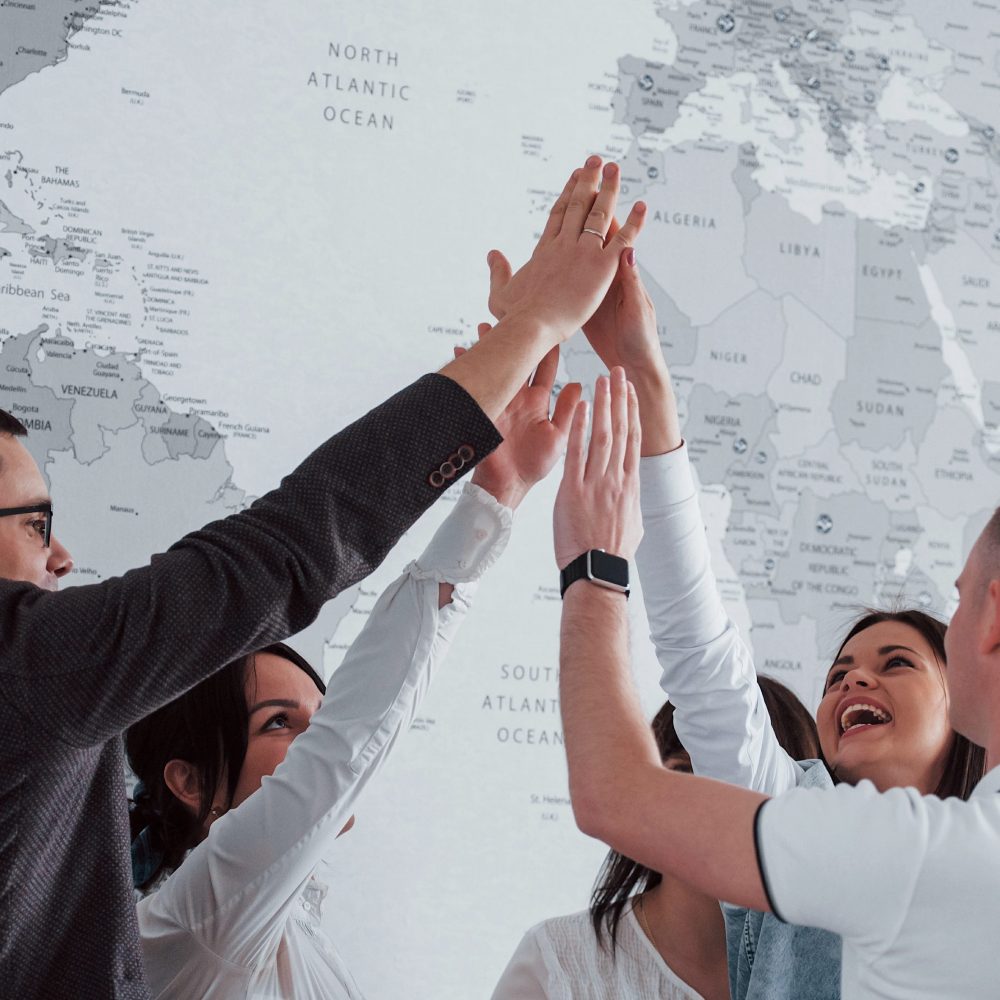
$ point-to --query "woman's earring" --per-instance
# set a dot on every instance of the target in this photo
(216, 811)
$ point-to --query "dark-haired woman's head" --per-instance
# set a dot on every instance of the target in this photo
(621, 878)
(207, 751)
(884, 711)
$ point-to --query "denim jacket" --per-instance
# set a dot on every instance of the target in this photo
(772, 960)
(722, 720)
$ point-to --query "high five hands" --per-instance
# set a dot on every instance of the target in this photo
(577, 256)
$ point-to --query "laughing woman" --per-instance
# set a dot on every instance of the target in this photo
(884, 711)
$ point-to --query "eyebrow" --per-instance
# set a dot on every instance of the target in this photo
(275, 703)
(881, 652)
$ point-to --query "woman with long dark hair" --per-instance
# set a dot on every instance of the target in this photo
(644, 935)
(246, 781)
(884, 711)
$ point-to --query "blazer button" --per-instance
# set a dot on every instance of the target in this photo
(466, 453)
(457, 461)
(436, 479)
(448, 470)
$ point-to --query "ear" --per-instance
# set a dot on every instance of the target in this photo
(989, 638)
(183, 780)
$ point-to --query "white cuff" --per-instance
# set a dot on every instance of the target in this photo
(665, 480)
(469, 540)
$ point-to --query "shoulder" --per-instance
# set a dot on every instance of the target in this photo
(558, 932)
(564, 938)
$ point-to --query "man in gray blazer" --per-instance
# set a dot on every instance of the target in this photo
(78, 667)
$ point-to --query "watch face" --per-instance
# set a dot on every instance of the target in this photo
(612, 569)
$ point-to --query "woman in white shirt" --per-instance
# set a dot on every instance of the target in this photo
(644, 935)
(248, 779)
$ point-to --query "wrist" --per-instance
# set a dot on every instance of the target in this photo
(651, 373)
(587, 594)
(598, 567)
(507, 493)
(661, 429)
(532, 322)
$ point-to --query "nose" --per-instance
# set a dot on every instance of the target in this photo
(857, 677)
(60, 562)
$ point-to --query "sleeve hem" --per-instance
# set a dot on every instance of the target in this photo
(666, 479)
(760, 861)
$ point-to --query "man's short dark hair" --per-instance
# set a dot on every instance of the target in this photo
(9, 424)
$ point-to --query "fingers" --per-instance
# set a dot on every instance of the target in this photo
(632, 291)
(558, 211)
(566, 402)
(600, 434)
(574, 467)
(482, 329)
(602, 213)
(500, 273)
(634, 447)
(626, 236)
(582, 199)
(619, 420)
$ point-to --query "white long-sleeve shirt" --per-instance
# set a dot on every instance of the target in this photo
(708, 672)
(241, 916)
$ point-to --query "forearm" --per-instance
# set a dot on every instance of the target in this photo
(697, 829)
(597, 696)
(494, 369)
(661, 429)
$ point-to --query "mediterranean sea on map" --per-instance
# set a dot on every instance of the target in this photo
(228, 229)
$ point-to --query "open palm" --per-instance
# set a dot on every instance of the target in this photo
(533, 440)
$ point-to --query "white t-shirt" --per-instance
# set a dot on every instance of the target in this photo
(561, 959)
(241, 916)
(911, 883)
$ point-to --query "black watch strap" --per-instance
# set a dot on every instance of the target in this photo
(581, 569)
(576, 570)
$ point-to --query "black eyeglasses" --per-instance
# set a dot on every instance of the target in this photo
(35, 508)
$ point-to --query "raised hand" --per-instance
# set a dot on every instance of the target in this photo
(576, 258)
(533, 440)
(623, 329)
(597, 506)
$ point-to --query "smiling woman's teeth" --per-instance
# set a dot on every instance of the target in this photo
(862, 715)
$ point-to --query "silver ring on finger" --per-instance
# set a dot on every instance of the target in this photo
(596, 232)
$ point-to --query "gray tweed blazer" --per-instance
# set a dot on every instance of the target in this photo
(79, 666)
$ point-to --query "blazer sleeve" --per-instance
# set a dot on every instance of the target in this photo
(91, 660)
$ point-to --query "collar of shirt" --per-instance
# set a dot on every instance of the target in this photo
(989, 784)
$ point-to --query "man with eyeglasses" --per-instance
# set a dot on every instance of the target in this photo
(27, 549)
(78, 667)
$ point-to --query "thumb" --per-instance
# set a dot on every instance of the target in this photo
(499, 278)
(630, 285)
(500, 270)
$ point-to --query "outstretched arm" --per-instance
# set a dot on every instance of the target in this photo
(708, 671)
(696, 828)
(235, 889)
(111, 653)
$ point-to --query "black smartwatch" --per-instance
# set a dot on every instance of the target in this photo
(599, 567)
